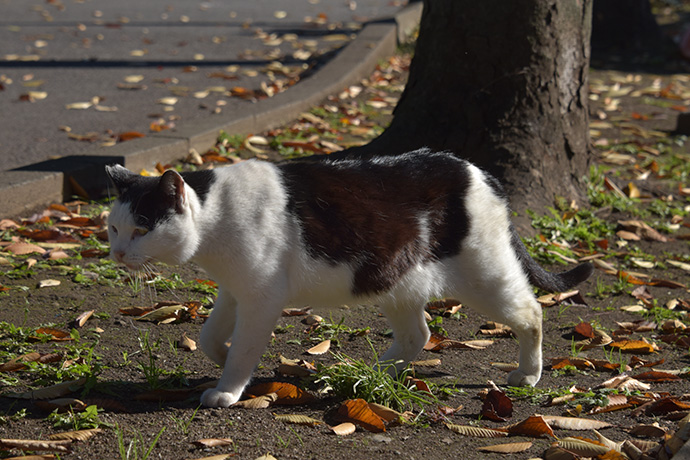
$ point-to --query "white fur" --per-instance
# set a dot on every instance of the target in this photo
(249, 244)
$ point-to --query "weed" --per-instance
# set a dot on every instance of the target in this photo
(155, 376)
(332, 331)
(619, 360)
(182, 424)
(373, 383)
(76, 420)
(136, 449)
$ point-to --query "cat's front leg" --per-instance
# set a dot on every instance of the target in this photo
(252, 333)
(218, 328)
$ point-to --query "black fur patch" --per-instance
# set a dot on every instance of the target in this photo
(201, 182)
(367, 213)
(151, 204)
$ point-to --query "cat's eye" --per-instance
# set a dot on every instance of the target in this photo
(114, 229)
(140, 231)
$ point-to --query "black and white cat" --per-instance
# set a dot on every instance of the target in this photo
(391, 231)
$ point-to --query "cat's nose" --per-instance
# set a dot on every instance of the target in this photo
(119, 256)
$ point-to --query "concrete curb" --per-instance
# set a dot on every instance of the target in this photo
(37, 185)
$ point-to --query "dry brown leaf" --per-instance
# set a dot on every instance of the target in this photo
(61, 404)
(32, 444)
(80, 435)
(287, 393)
(534, 426)
(615, 402)
(187, 343)
(216, 457)
(574, 423)
(321, 348)
(509, 448)
(583, 447)
(48, 283)
(344, 429)
(634, 346)
(213, 442)
(476, 432)
(298, 419)
(260, 402)
(358, 412)
(386, 413)
(51, 392)
(648, 431)
(83, 318)
(426, 363)
(56, 334)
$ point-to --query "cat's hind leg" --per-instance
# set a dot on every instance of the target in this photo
(218, 328)
(410, 334)
(527, 326)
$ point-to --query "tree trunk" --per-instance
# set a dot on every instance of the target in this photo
(504, 85)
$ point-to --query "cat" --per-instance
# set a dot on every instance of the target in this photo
(393, 231)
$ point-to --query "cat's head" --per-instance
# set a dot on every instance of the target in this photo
(151, 220)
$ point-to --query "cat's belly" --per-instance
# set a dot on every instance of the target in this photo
(320, 284)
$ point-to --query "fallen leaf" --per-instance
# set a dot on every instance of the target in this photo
(298, 419)
(583, 447)
(51, 392)
(30, 444)
(288, 393)
(648, 431)
(260, 402)
(80, 435)
(634, 346)
(656, 376)
(187, 343)
(344, 429)
(20, 248)
(509, 448)
(57, 335)
(321, 348)
(129, 135)
(213, 442)
(574, 423)
(358, 412)
(497, 406)
(534, 426)
(476, 432)
(83, 318)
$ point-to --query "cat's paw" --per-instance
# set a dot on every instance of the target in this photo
(216, 398)
(518, 379)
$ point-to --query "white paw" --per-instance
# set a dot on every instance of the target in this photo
(216, 398)
(518, 379)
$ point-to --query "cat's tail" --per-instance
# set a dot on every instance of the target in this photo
(551, 282)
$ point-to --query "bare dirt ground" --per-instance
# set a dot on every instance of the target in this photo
(145, 384)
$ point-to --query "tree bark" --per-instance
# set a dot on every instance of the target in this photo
(504, 85)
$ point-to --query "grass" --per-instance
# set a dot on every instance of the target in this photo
(136, 449)
(354, 378)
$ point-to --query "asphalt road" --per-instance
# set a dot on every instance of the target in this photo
(79, 73)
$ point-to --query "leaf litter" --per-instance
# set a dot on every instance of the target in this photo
(339, 122)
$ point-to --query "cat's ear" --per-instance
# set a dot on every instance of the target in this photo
(171, 185)
(121, 177)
